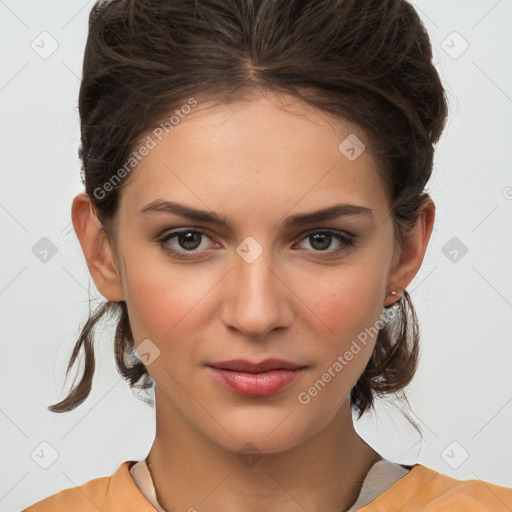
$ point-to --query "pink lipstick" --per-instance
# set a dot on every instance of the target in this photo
(256, 379)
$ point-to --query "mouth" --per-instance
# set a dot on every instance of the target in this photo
(242, 365)
(263, 378)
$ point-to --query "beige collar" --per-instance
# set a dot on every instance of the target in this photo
(383, 474)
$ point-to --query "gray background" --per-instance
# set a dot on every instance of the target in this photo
(462, 395)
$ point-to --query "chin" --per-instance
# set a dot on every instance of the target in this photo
(250, 441)
(258, 431)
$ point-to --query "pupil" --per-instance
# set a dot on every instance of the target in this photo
(325, 237)
(187, 239)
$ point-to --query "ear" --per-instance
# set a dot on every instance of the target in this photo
(413, 251)
(96, 248)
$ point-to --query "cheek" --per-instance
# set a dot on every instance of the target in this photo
(167, 309)
(162, 303)
(349, 305)
(349, 301)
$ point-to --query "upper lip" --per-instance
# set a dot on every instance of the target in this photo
(242, 365)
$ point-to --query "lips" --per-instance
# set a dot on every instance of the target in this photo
(241, 365)
(255, 379)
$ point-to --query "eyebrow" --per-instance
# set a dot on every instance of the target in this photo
(330, 213)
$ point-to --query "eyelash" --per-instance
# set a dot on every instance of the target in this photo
(346, 240)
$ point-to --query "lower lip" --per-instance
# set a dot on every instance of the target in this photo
(256, 384)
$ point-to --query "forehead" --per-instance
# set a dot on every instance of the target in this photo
(272, 149)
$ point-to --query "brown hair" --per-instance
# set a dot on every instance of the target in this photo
(368, 62)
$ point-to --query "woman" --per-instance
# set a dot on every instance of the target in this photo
(254, 210)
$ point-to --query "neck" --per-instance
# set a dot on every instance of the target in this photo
(192, 473)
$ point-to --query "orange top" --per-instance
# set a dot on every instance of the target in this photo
(422, 489)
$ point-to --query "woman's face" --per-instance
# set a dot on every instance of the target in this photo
(267, 285)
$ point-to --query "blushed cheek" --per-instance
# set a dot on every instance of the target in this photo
(342, 353)
(155, 307)
(349, 304)
(351, 310)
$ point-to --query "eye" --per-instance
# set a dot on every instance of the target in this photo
(188, 243)
(320, 241)
(187, 240)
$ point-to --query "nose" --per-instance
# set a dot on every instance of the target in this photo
(257, 298)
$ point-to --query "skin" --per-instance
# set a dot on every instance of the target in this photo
(254, 162)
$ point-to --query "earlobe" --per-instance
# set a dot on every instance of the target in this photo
(414, 248)
(96, 248)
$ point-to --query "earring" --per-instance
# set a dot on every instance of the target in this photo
(395, 294)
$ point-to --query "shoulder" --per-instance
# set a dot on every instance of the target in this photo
(427, 490)
(106, 493)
